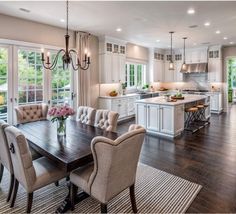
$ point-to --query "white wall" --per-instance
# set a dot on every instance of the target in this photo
(12, 28)
(23, 30)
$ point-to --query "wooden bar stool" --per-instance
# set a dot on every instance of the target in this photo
(191, 116)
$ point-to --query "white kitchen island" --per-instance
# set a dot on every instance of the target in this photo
(166, 118)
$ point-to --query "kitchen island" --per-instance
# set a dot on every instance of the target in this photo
(167, 118)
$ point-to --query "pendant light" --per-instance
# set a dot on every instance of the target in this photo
(171, 65)
(184, 66)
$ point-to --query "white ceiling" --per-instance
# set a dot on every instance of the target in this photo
(142, 22)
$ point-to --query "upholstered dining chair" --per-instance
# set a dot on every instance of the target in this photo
(106, 120)
(31, 113)
(32, 175)
(113, 170)
(86, 115)
(5, 158)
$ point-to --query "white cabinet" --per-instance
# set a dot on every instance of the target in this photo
(215, 64)
(216, 103)
(112, 58)
(178, 76)
(196, 55)
(166, 119)
(158, 71)
(125, 106)
(153, 118)
(141, 114)
(215, 70)
(112, 68)
(168, 74)
(162, 120)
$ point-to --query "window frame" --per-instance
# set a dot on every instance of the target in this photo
(127, 75)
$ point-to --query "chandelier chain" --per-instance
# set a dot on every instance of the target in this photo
(67, 15)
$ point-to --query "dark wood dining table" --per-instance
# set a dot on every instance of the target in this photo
(69, 152)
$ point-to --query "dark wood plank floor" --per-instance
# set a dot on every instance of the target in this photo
(207, 157)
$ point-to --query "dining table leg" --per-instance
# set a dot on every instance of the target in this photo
(66, 204)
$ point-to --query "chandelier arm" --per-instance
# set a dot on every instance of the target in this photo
(51, 67)
(56, 59)
(75, 67)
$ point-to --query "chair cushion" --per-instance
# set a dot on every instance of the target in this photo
(80, 177)
(46, 173)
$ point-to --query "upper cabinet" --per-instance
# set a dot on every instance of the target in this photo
(196, 55)
(215, 64)
(158, 66)
(112, 59)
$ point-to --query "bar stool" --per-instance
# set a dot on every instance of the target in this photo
(191, 117)
(200, 116)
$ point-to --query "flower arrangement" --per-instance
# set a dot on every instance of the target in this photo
(60, 114)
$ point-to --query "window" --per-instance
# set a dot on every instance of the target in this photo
(135, 75)
(30, 77)
(61, 83)
(3, 82)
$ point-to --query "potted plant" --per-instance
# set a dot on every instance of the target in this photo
(124, 86)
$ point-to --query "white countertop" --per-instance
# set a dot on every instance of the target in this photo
(188, 98)
(160, 92)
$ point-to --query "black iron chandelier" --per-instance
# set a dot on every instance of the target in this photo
(68, 54)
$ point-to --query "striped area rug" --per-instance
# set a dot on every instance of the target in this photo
(156, 192)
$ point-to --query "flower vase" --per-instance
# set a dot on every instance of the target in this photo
(61, 127)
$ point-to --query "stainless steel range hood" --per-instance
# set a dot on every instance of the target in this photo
(195, 68)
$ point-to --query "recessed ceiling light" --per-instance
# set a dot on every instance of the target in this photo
(118, 29)
(158, 40)
(194, 44)
(231, 43)
(225, 38)
(217, 32)
(62, 20)
(207, 24)
(24, 10)
(191, 11)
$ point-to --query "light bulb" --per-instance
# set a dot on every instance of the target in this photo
(48, 53)
(171, 66)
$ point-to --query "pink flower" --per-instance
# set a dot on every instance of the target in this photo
(61, 111)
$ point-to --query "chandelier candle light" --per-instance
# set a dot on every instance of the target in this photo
(171, 65)
(68, 54)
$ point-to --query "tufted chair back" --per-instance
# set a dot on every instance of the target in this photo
(24, 170)
(86, 115)
(5, 158)
(106, 120)
(30, 113)
(115, 163)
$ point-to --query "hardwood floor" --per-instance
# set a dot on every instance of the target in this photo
(207, 157)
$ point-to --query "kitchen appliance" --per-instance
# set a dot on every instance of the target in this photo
(196, 68)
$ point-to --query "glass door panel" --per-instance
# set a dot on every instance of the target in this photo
(30, 77)
(3, 83)
(60, 84)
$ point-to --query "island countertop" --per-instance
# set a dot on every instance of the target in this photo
(188, 98)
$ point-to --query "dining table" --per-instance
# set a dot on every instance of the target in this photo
(67, 152)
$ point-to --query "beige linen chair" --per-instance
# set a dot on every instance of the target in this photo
(5, 158)
(31, 113)
(86, 115)
(32, 175)
(106, 120)
(113, 170)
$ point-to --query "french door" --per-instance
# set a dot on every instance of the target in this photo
(23, 80)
